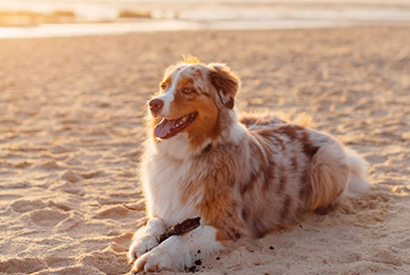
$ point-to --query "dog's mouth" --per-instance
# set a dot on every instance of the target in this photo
(170, 127)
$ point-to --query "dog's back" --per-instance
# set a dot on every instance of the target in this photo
(294, 170)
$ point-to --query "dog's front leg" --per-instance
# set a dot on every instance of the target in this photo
(146, 238)
(180, 252)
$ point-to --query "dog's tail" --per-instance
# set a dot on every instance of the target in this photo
(335, 171)
(358, 183)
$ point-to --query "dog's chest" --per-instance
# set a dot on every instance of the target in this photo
(168, 181)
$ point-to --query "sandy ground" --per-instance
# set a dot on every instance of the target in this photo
(71, 127)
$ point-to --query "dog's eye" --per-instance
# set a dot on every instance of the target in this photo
(187, 91)
(163, 86)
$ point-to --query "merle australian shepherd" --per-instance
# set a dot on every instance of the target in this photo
(242, 177)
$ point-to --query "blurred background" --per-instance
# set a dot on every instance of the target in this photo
(48, 18)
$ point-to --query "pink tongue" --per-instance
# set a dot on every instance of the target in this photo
(162, 129)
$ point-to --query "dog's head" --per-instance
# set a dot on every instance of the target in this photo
(192, 98)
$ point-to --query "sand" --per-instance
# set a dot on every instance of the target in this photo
(71, 126)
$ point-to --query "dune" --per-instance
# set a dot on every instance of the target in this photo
(71, 127)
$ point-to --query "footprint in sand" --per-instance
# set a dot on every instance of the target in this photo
(71, 176)
(46, 217)
(21, 164)
(60, 205)
(75, 219)
(49, 165)
(73, 161)
(60, 149)
(22, 206)
(91, 175)
(76, 177)
(71, 188)
(116, 212)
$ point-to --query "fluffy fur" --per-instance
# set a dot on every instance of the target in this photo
(243, 177)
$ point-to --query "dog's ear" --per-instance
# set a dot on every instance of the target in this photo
(226, 83)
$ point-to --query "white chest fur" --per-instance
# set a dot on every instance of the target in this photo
(165, 176)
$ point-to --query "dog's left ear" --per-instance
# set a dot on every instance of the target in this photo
(226, 83)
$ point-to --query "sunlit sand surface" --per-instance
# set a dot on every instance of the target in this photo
(71, 127)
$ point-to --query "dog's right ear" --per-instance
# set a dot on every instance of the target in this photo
(226, 83)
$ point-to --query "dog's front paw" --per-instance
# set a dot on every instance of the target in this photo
(140, 246)
(146, 238)
(156, 260)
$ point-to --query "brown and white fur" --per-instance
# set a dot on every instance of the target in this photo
(244, 177)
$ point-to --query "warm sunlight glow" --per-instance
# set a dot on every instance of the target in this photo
(23, 18)
(124, 123)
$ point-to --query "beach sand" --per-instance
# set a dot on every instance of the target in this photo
(71, 127)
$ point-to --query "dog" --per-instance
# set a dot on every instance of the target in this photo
(243, 177)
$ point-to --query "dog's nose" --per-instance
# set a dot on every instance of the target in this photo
(156, 106)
